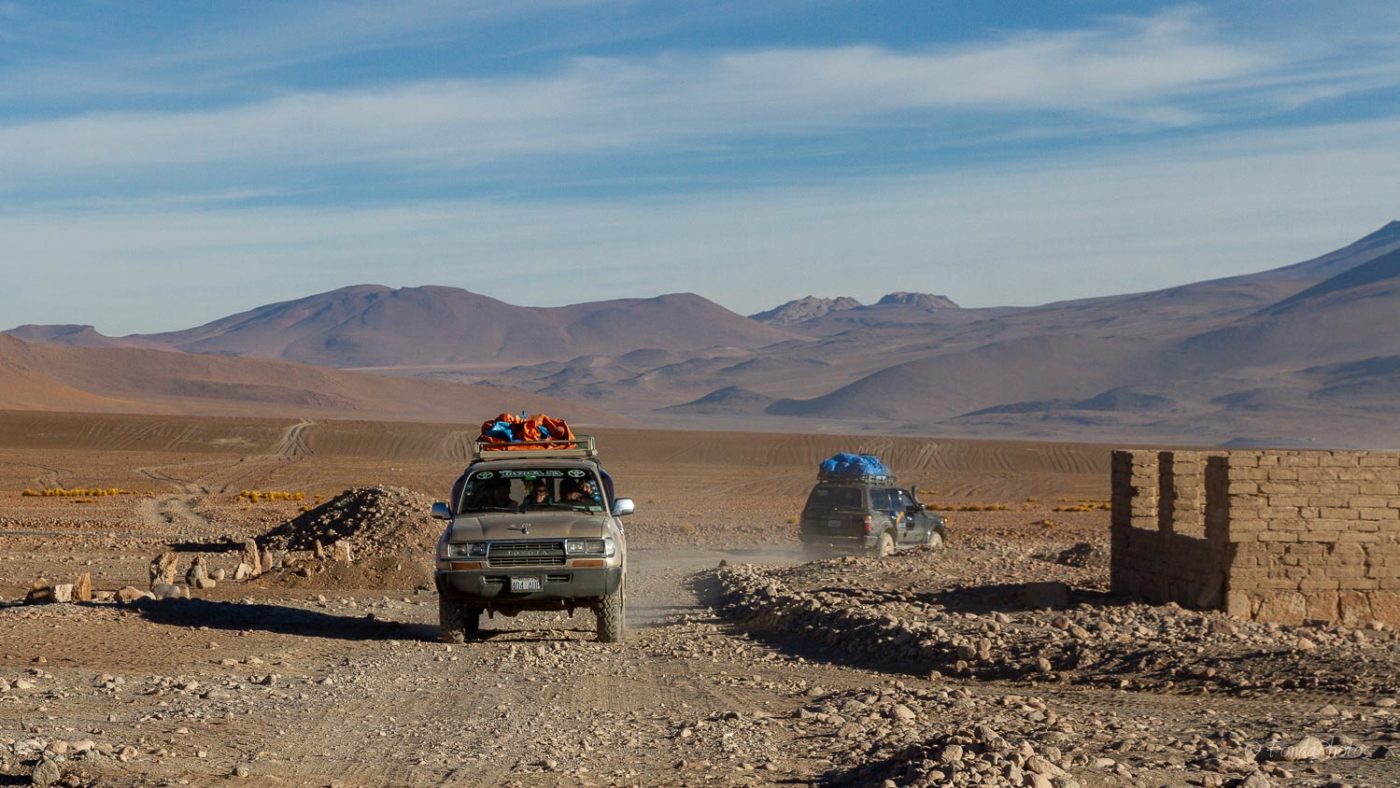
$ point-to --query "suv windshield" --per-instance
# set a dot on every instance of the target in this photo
(531, 489)
(826, 497)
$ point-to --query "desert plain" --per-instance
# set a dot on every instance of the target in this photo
(746, 663)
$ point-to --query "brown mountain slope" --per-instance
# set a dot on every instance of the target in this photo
(120, 380)
(375, 326)
(1355, 315)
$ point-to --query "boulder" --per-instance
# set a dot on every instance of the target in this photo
(63, 592)
(168, 591)
(40, 592)
(242, 572)
(198, 574)
(82, 588)
(128, 594)
(252, 558)
(164, 567)
(46, 773)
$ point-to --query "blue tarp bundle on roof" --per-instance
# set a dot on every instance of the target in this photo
(852, 466)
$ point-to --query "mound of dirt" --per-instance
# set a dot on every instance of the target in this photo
(374, 522)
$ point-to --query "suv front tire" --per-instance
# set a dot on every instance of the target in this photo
(456, 622)
(612, 615)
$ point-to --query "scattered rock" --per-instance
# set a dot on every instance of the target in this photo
(164, 567)
(40, 592)
(82, 588)
(167, 591)
(46, 773)
(128, 594)
(252, 557)
(198, 574)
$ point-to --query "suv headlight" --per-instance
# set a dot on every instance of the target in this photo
(604, 546)
(467, 550)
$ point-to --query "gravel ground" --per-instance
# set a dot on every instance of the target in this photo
(999, 660)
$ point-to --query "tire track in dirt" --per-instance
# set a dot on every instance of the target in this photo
(50, 476)
(293, 443)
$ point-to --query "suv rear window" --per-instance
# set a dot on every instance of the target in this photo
(826, 497)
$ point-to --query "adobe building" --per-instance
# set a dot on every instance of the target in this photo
(1280, 536)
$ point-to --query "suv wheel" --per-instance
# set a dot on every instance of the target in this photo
(455, 620)
(612, 613)
(933, 539)
(885, 547)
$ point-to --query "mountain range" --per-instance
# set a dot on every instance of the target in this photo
(1305, 354)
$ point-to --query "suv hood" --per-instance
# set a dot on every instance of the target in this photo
(541, 525)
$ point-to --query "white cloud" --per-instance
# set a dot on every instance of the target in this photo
(1148, 70)
(1134, 219)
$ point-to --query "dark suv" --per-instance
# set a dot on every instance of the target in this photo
(870, 515)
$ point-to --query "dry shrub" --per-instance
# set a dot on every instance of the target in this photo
(77, 492)
(258, 496)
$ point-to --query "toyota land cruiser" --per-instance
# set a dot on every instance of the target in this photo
(532, 529)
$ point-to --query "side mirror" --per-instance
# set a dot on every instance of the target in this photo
(440, 511)
(622, 507)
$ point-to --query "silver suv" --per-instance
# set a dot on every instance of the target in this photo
(538, 529)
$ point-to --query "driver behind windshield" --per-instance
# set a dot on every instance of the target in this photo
(493, 494)
(539, 497)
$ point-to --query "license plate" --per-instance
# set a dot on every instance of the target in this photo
(522, 584)
(833, 523)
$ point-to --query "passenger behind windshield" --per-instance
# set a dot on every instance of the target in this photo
(580, 492)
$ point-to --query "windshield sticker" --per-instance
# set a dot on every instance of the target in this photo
(522, 474)
(578, 474)
(485, 475)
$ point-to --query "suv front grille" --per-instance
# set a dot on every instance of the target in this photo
(525, 554)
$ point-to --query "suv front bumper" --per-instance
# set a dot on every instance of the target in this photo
(556, 583)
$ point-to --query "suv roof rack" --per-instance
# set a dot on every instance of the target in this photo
(887, 478)
(582, 446)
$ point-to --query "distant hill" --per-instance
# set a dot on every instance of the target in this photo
(1303, 354)
(921, 300)
(375, 326)
(70, 335)
(803, 309)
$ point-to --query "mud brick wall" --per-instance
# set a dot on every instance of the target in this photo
(1281, 536)
(1162, 550)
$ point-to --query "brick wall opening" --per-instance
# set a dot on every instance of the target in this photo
(1281, 536)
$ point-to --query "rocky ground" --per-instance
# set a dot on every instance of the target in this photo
(1000, 660)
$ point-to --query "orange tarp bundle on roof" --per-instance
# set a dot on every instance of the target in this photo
(508, 429)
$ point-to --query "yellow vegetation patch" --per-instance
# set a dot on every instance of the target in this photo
(259, 496)
(970, 507)
(79, 492)
(1083, 505)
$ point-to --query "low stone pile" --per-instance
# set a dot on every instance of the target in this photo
(991, 635)
(364, 522)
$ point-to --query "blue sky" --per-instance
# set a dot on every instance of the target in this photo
(163, 164)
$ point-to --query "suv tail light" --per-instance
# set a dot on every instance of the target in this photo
(869, 524)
